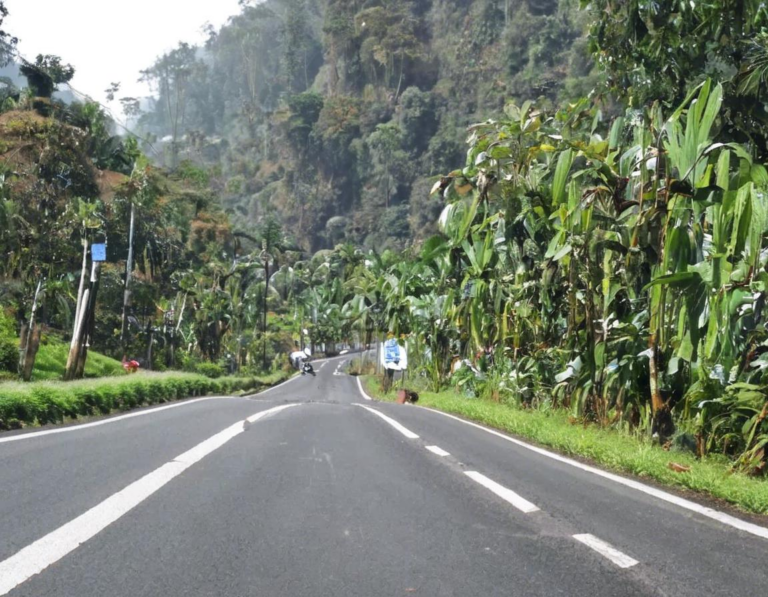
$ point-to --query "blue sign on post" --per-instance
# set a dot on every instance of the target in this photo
(99, 252)
(394, 356)
(391, 351)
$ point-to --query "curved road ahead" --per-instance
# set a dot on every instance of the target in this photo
(310, 490)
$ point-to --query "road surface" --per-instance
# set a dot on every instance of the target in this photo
(311, 490)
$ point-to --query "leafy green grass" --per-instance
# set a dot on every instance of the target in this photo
(610, 449)
(52, 360)
(45, 402)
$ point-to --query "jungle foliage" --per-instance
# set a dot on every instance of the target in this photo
(332, 115)
(596, 246)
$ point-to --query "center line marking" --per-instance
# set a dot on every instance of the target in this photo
(503, 492)
(437, 450)
(622, 560)
(48, 550)
(405, 431)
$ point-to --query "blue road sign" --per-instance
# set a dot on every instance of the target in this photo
(99, 252)
(391, 351)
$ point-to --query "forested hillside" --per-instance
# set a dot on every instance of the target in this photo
(337, 115)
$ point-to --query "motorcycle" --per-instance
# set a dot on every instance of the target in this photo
(307, 368)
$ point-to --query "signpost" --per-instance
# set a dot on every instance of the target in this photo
(393, 356)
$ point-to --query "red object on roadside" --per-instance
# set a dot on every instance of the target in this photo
(131, 366)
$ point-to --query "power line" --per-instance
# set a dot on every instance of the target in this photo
(84, 96)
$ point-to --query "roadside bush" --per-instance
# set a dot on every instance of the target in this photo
(359, 366)
(9, 355)
(47, 402)
(211, 370)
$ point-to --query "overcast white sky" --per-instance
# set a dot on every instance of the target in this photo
(111, 40)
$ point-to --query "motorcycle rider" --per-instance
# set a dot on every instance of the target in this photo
(299, 357)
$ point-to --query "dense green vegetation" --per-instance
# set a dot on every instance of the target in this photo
(596, 246)
(52, 359)
(44, 403)
(613, 268)
(333, 115)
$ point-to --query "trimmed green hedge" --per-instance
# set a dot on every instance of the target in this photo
(47, 402)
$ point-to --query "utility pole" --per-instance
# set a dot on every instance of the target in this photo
(265, 258)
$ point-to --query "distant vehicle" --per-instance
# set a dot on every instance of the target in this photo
(298, 357)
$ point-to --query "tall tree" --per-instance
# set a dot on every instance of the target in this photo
(45, 74)
(7, 40)
(655, 51)
(171, 74)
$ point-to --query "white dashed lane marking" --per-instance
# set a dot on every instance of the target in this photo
(504, 493)
(405, 431)
(606, 550)
(437, 450)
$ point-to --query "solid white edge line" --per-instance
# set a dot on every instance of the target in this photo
(141, 413)
(405, 431)
(44, 552)
(437, 450)
(504, 493)
(78, 427)
(362, 391)
(607, 550)
(722, 517)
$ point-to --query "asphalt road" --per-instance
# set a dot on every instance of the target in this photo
(306, 490)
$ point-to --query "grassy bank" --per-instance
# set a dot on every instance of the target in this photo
(45, 402)
(52, 360)
(610, 449)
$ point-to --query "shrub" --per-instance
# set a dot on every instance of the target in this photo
(211, 370)
(7, 328)
(9, 355)
(49, 402)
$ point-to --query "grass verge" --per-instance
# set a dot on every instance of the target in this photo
(46, 402)
(51, 362)
(608, 448)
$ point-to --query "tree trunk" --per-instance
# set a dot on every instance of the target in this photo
(126, 291)
(334, 70)
(400, 81)
(30, 340)
(78, 312)
(89, 324)
(149, 347)
(662, 420)
(74, 349)
(389, 376)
